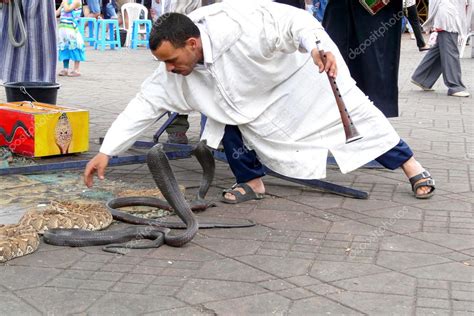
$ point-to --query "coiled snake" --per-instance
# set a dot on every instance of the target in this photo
(157, 231)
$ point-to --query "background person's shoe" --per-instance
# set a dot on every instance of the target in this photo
(177, 138)
(462, 94)
(424, 48)
(74, 74)
(421, 86)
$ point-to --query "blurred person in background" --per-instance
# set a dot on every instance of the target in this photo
(411, 13)
(449, 19)
(70, 42)
(370, 45)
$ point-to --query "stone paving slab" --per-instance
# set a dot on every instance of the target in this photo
(312, 253)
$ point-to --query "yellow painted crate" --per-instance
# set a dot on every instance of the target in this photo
(36, 129)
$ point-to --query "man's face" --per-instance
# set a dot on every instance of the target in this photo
(179, 60)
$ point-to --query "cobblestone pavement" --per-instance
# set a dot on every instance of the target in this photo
(311, 253)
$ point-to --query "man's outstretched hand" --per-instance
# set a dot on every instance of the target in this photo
(97, 164)
(328, 64)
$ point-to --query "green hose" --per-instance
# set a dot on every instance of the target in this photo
(14, 16)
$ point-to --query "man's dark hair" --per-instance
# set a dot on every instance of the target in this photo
(173, 27)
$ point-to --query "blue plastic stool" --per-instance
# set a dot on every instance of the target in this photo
(135, 41)
(114, 34)
(92, 23)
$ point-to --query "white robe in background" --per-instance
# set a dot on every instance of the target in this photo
(254, 77)
(179, 6)
(449, 15)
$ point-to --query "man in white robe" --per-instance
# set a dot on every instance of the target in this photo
(255, 65)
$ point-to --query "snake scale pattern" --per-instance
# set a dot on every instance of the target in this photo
(20, 239)
(74, 224)
(152, 233)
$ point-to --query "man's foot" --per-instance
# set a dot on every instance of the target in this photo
(177, 138)
(462, 94)
(422, 180)
(241, 192)
(422, 183)
(421, 86)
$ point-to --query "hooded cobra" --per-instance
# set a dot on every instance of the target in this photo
(157, 231)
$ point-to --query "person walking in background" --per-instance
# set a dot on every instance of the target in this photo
(449, 19)
(35, 61)
(70, 41)
(412, 14)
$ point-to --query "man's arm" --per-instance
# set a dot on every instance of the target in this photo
(140, 113)
(297, 29)
(125, 130)
(98, 164)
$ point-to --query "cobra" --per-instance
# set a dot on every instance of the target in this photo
(151, 233)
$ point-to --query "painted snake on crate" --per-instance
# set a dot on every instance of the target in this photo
(152, 233)
(9, 136)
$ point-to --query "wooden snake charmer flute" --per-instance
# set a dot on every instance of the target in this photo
(349, 128)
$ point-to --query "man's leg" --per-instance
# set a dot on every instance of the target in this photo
(94, 8)
(177, 130)
(243, 162)
(449, 57)
(429, 69)
(412, 15)
(402, 156)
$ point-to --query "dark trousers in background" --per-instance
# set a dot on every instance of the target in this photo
(412, 15)
(370, 46)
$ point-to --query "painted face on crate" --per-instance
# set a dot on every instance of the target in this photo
(63, 133)
(181, 60)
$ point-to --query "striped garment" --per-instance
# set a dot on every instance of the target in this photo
(36, 60)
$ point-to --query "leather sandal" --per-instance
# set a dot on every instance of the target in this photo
(249, 194)
(429, 182)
